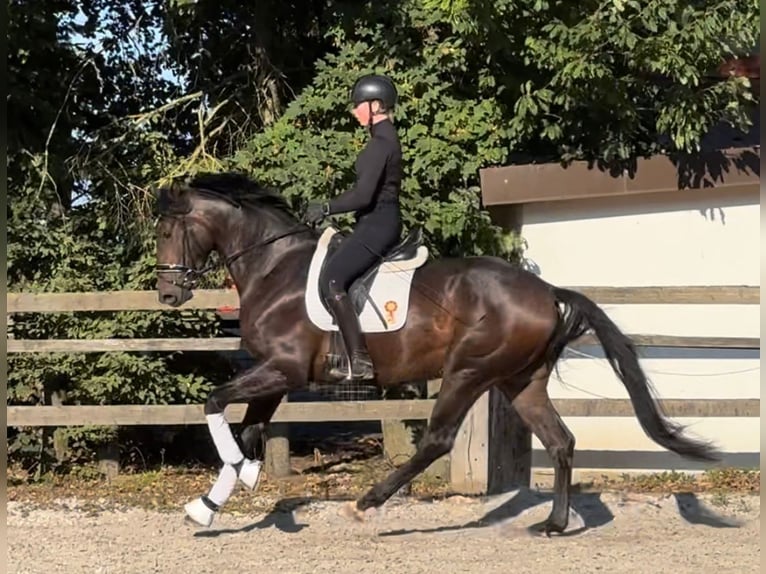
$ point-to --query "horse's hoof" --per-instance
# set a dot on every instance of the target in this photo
(546, 528)
(198, 513)
(349, 510)
(537, 529)
(553, 529)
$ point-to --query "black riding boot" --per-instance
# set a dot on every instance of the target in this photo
(362, 368)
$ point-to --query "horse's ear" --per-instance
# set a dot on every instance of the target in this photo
(176, 189)
(163, 200)
(172, 200)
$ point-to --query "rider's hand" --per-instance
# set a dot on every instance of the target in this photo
(316, 212)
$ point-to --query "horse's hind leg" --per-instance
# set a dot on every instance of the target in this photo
(537, 412)
(254, 428)
(458, 392)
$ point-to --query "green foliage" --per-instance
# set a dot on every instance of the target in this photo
(613, 80)
(99, 259)
(248, 59)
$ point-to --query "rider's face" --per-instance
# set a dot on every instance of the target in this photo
(362, 113)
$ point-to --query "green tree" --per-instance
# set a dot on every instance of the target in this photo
(613, 80)
(448, 118)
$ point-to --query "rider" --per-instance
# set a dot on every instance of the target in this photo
(375, 200)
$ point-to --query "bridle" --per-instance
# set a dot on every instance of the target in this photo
(190, 276)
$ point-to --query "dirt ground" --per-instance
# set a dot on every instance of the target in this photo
(679, 533)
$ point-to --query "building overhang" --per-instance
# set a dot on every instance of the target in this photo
(735, 167)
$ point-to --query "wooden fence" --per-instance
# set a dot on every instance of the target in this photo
(481, 460)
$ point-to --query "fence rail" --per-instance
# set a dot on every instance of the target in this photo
(347, 411)
(228, 298)
(235, 344)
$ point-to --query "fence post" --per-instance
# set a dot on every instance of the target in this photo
(509, 448)
(54, 395)
(401, 437)
(108, 456)
(278, 451)
(277, 455)
(493, 448)
(468, 463)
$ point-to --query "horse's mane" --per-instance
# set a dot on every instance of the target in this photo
(240, 189)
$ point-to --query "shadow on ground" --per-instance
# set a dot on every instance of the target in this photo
(591, 509)
(591, 513)
(281, 517)
(695, 512)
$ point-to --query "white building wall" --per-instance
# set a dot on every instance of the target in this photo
(697, 237)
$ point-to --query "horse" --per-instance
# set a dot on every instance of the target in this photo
(476, 322)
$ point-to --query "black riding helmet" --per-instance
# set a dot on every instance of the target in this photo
(374, 87)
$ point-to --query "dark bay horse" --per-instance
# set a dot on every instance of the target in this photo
(476, 322)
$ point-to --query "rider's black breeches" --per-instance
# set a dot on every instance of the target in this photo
(372, 237)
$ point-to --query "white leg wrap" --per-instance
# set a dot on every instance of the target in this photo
(199, 512)
(250, 472)
(224, 441)
(199, 509)
(224, 485)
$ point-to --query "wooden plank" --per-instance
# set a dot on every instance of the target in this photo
(123, 345)
(128, 415)
(341, 411)
(679, 341)
(234, 344)
(667, 295)
(116, 301)
(660, 295)
(673, 407)
(229, 298)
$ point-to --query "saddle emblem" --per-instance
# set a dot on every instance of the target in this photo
(390, 308)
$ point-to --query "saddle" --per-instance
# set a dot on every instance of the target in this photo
(359, 293)
(380, 297)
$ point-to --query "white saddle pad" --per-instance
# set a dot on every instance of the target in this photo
(390, 291)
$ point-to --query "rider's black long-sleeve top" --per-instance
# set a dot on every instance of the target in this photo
(378, 174)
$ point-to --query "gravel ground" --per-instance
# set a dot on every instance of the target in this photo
(625, 532)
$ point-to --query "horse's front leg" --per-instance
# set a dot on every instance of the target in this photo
(262, 385)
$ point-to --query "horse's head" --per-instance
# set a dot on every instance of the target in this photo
(185, 238)
(225, 212)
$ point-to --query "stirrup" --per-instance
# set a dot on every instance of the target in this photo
(358, 368)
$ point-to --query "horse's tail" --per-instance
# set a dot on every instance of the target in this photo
(580, 314)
